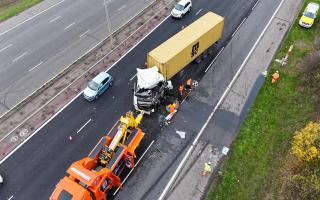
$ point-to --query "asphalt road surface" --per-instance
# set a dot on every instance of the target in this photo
(37, 50)
(33, 170)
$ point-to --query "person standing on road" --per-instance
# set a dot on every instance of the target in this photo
(207, 169)
(189, 84)
(181, 88)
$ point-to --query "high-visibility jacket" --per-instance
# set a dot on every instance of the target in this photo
(207, 167)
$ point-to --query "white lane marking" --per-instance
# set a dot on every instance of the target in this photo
(35, 66)
(74, 98)
(124, 180)
(255, 5)
(133, 77)
(11, 197)
(122, 7)
(67, 27)
(198, 11)
(175, 174)
(31, 18)
(19, 57)
(84, 33)
(214, 60)
(84, 125)
(4, 48)
(238, 27)
(54, 19)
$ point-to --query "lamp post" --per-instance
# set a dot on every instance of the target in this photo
(108, 19)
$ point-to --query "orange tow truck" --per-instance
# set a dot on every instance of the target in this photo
(93, 176)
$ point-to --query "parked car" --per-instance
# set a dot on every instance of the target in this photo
(97, 86)
(1, 180)
(181, 8)
(309, 15)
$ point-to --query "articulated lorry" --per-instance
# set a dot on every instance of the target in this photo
(193, 43)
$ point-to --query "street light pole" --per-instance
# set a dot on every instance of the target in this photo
(108, 20)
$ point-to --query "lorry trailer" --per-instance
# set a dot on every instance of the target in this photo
(193, 43)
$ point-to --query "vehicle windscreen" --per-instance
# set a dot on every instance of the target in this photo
(179, 7)
(93, 85)
(64, 195)
(309, 14)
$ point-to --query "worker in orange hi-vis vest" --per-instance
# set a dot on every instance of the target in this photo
(189, 84)
(275, 77)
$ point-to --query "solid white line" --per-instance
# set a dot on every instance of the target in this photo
(198, 11)
(10, 197)
(214, 60)
(31, 18)
(4, 48)
(255, 5)
(17, 58)
(73, 23)
(35, 66)
(133, 77)
(74, 98)
(124, 180)
(238, 27)
(54, 19)
(122, 7)
(84, 125)
(165, 191)
(84, 33)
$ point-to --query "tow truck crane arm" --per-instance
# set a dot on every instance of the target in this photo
(93, 176)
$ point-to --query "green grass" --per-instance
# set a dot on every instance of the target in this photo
(253, 167)
(15, 8)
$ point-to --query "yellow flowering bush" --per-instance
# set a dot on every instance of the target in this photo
(306, 145)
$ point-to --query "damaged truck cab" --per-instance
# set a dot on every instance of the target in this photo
(193, 43)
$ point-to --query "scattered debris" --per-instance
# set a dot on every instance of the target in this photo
(264, 73)
(182, 134)
(225, 150)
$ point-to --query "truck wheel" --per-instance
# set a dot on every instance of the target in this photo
(198, 59)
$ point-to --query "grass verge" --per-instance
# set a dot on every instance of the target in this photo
(254, 166)
(9, 8)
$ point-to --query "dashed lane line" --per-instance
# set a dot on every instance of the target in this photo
(67, 27)
(83, 34)
(35, 66)
(4, 48)
(19, 57)
(54, 19)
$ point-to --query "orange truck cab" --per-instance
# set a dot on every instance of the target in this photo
(93, 176)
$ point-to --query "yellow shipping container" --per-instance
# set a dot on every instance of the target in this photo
(182, 48)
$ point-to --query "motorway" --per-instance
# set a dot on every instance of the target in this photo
(40, 48)
(34, 169)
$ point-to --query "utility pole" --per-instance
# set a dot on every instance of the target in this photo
(108, 20)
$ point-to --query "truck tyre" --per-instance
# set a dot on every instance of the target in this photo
(198, 59)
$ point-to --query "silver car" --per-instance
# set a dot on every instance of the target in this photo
(97, 86)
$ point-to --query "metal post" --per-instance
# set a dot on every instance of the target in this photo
(108, 20)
